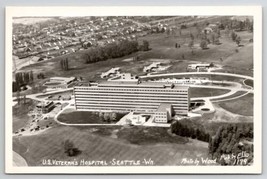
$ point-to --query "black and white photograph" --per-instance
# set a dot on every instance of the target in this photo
(133, 89)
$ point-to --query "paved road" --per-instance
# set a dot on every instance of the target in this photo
(199, 73)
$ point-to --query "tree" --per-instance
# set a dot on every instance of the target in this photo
(15, 86)
(69, 148)
(233, 35)
(213, 38)
(203, 44)
(145, 45)
(106, 117)
(191, 44)
(18, 96)
(31, 76)
(114, 116)
(238, 40)
(24, 99)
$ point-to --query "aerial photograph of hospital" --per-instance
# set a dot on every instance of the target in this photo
(132, 90)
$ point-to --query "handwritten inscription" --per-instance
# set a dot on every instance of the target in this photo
(233, 159)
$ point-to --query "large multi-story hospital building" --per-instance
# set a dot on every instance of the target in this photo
(132, 96)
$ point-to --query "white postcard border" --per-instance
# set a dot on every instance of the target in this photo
(255, 11)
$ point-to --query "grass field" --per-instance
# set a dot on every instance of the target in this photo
(20, 114)
(206, 92)
(84, 117)
(242, 106)
(238, 93)
(149, 135)
(249, 82)
(48, 145)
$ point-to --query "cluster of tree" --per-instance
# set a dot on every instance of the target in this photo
(64, 64)
(109, 116)
(112, 50)
(144, 46)
(235, 38)
(229, 140)
(238, 25)
(203, 44)
(22, 79)
(70, 149)
(40, 76)
(186, 130)
(215, 38)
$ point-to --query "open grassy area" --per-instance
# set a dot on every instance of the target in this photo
(242, 106)
(249, 82)
(149, 135)
(20, 114)
(48, 145)
(236, 94)
(206, 92)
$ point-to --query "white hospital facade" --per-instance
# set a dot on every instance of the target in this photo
(157, 98)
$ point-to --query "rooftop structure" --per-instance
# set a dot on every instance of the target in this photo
(111, 71)
(45, 107)
(59, 82)
(151, 66)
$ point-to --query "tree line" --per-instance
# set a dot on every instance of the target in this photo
(64, 64)
(186, 130)
(110, 116)
(22, 79)
(113, 50)
(229, 139)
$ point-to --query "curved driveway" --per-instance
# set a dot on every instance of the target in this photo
(200, 73)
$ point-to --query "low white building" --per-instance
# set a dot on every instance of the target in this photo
(110, 72)
(59, 82)
(151, 67)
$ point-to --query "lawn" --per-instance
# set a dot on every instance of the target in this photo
(242, 106)
(84, 117)
(236, 94)
(149, 135)
(20, 114)
(249, 82)
(48, 145)
(206, 92)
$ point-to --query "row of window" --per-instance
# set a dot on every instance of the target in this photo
(144, 107)
(119, 96)
(132, 100)
(129, 104)
(130, 89)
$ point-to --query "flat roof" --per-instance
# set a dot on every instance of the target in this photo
(62, 78)
(163, 106)
(136, 84)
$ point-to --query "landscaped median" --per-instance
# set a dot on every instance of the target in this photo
(89, 117)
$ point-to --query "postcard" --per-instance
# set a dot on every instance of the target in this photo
(133, 90)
